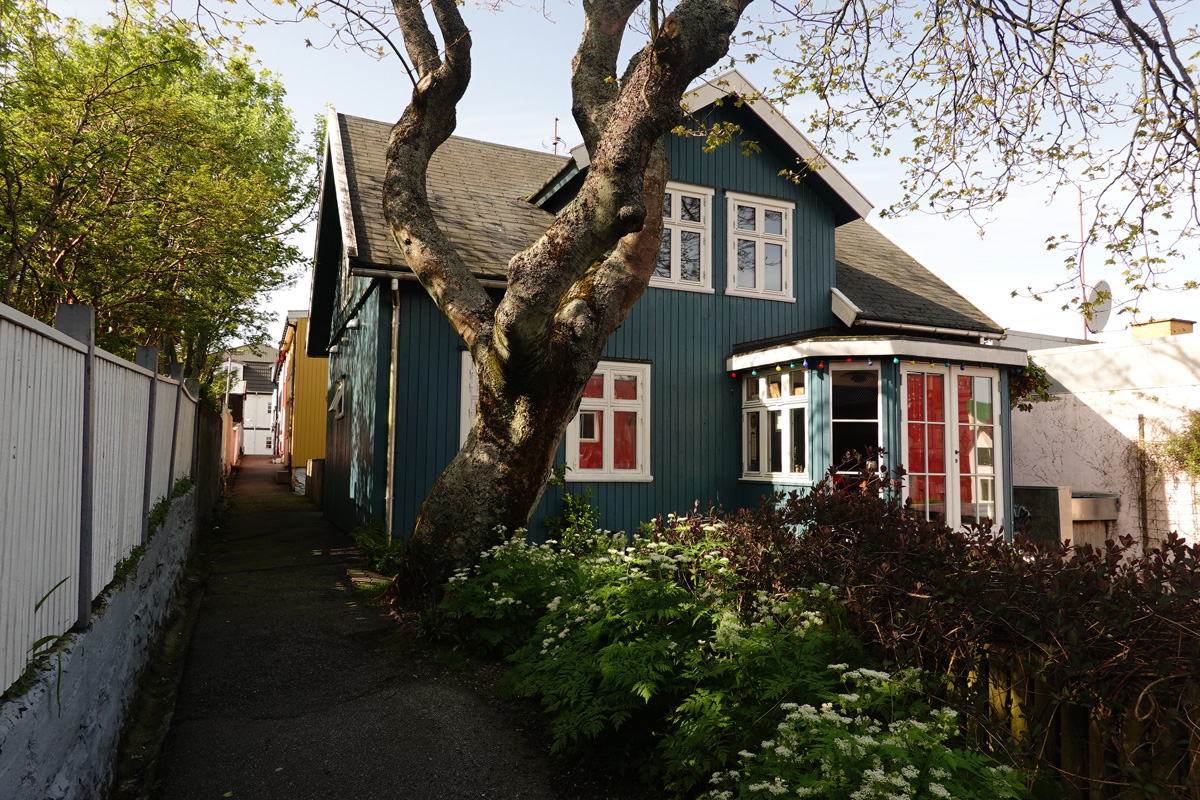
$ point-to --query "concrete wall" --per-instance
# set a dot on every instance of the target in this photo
(1088, 436)
(58, 740)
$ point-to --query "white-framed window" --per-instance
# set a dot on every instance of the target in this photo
(470, 397)
(951, 446)
(609, 438)
(854, 414)
(775, 425)
(759, 258)
(684, 260)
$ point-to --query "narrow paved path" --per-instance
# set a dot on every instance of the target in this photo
(294, 689)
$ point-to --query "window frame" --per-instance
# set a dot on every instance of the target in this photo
(673, 227)
(878, 419)
(953, 457)
(761, 238)
(609, 404)
(785, 405)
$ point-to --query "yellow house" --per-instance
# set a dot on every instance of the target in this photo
(302, 387)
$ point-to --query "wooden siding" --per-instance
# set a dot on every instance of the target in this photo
(356, 444)
(308, 404)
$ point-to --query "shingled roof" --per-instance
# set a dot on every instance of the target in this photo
(477, 191)
(888, 285)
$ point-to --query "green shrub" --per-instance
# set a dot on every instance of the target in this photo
(382, 551)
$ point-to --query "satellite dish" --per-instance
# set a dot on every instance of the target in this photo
(1101, 310)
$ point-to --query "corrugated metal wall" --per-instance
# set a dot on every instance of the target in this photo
(308, 402)
(41, 468)
(41, 471)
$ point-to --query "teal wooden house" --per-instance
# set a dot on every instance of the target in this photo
(780, 333)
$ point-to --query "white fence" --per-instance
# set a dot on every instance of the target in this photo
(53, 530)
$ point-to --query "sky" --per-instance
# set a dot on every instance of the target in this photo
(521, 83)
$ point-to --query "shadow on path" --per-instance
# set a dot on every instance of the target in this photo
(294, 689)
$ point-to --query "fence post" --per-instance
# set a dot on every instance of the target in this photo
(147, 358)
(177, 374)
(79, 322)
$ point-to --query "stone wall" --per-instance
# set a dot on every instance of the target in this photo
(59, 739)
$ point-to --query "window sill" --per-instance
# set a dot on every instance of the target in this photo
(779, 298)
(576, 476)
(798, 480)
(658, 283)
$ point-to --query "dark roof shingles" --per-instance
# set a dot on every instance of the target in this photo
(477, 191)
(889, 285)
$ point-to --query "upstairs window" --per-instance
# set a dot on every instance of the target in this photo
(760, 247)
(683, 255)
(609, 439)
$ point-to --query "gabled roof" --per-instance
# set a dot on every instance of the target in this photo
(477, 191)
(886, 284)
(848, 202)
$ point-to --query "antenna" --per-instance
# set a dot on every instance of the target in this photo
(1101, 309)
(553, 142)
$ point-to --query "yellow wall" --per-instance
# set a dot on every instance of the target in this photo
(308, 404)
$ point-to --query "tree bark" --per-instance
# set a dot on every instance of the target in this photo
(535, 350)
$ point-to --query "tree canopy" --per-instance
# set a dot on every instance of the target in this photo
(144, 174)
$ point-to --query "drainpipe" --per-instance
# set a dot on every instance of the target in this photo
(393, 400)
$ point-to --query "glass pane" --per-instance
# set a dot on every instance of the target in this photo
(745, 218)
(776, 431)
(774, 386)
(916, 490)
(751, 388)
(625, 440)
(985, 451)
(625, 387)
(772, 221)
(798, 377)
(853, 437)
(937, 497)
(983, 400)
(591, 453)
(916, 396)
(799, 431)
(855, 394)
(595, 386)
(745, 264)
(966, 449)
(935, 402)
(666, 205)
(689, 208)
(964, 398)
(662, 268)
(587, 426)
(773, 266)
(916, 447)
(936, 459)
(689, 256)
(752, 442)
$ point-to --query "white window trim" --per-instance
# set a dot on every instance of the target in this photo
(674, 226)
(469, 402)
(762, 405)
(951, 455)
(760, 237)
(609, 404)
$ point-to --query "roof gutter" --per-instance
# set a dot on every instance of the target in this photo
(391, 274)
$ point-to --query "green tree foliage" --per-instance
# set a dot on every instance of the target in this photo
(145, 175)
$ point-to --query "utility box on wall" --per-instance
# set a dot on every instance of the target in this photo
(1042, 513)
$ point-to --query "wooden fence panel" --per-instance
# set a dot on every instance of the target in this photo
(41, 430)
(122, 404)
(185, 437)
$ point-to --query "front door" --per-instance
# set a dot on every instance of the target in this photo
(951, 443)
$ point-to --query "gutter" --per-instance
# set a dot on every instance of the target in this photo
(391, 274)
(850, 314)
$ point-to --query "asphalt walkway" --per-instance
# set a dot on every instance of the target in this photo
(293, 688)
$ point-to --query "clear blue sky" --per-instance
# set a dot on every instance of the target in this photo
(520, 84)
